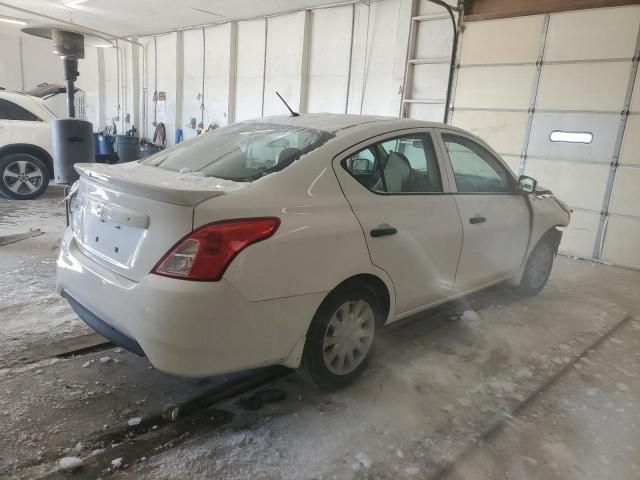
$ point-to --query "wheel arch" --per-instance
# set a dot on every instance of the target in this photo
(552, 234)
(375, 284)
(30, 149)
(381, 288)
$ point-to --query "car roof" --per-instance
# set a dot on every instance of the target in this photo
(35, 105)
(339, 123)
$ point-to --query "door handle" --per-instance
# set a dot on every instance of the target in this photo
(477, 219)
(383, 232)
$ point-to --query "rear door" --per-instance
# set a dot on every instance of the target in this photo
(411, 224)
(495, 216)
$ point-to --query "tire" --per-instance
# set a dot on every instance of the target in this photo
(23, 176)
(331, 364)
(538, 269)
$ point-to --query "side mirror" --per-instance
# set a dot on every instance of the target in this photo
(527, 184)
(360, 165)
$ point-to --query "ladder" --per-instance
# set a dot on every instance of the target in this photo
(436, 98)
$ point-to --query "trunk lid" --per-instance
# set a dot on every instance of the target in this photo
(126, 217)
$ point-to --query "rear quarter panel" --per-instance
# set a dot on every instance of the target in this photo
(318, 245)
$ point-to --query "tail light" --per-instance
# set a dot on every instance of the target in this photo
(205, 253)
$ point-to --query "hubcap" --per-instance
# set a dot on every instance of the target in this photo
(540, 266)
(22, 177)
(348, 337)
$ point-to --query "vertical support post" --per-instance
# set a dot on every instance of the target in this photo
(353, 27)
(264, 63)
(233, 69)
(102, 94)
(304, 68)
(534, 94)
(135, 82)
(179, 80)
(118, 83)
(615, 160)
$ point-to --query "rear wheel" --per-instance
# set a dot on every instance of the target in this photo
(537, 270)
(340, 338)
(23, 176)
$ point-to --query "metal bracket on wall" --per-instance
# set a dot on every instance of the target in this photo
(615, 160)
(534, 93)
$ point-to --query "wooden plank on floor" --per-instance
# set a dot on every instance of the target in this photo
(64, 348)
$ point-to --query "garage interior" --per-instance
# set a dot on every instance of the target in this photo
(487, 386)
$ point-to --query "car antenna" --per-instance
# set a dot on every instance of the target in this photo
(293, 114)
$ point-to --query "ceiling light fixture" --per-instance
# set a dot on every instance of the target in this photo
(16, 21)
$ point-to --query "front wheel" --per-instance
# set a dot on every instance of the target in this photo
(537, 270)
(23, 176)
(340, 338)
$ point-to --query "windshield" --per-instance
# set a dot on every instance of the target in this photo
(242, 152)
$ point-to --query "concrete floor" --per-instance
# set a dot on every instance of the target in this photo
(539, 388)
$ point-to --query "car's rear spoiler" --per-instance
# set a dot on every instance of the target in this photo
(157, 184)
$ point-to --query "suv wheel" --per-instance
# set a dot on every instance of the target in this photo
(23, 176)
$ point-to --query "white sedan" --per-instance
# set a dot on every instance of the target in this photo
(292, 240)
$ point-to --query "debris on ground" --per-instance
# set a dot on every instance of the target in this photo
(133, 422)
(70, 464)
(364, 460)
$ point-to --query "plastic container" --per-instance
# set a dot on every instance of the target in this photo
(127, 148)
(72, 143)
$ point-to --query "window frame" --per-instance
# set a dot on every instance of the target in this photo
(373, 144)
(14, 104)
(513, 181)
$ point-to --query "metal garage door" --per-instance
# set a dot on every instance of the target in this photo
(555, 102)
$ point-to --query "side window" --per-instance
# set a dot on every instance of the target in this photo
(410, 165)
(364, 167)
(475, 169)
(11, 111)
(406, 164)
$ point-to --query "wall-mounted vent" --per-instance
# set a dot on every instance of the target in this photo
(571, 137)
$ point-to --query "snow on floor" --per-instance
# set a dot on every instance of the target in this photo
(30, 310)
(591, 420)
(426, 397)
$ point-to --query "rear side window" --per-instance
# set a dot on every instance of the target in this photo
(11, 111)
(241, 152)
(405, 164)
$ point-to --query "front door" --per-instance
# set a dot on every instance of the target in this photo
(411, 225)
(495, 216)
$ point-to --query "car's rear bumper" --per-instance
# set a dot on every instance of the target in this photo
(184, 328)
(103, 328)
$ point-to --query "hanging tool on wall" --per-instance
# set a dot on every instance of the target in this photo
(160, 135)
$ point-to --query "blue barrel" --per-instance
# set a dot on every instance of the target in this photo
(105, 144)
(96, 145)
